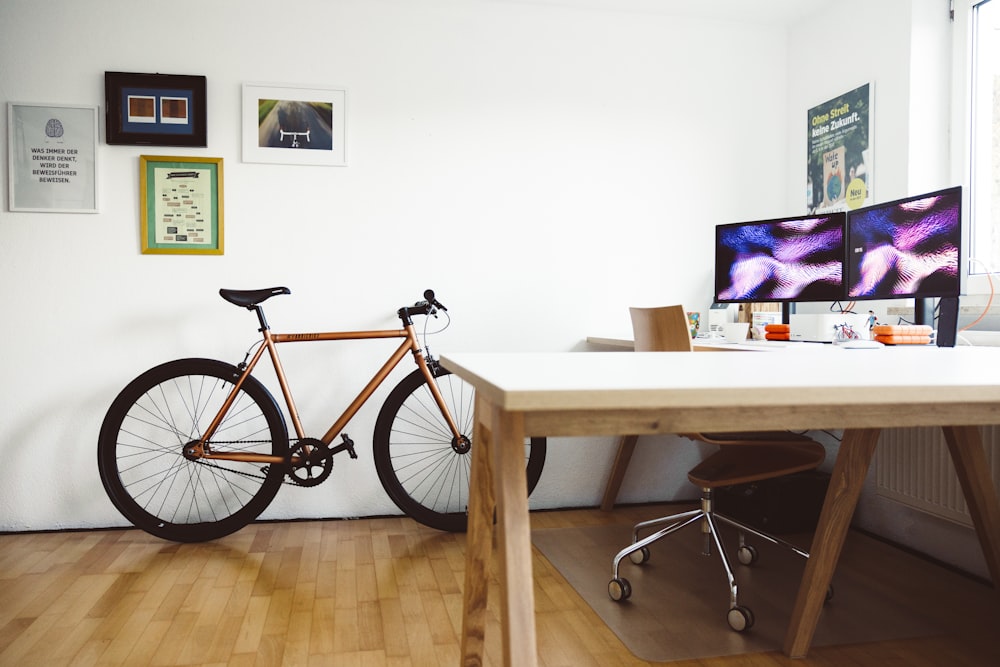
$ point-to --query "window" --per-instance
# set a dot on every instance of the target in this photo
(984, 182)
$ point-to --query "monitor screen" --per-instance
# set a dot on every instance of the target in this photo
(788, 259)
(906, 248)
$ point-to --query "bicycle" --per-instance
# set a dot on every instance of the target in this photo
(195, 449)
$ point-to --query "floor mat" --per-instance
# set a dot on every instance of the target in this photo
(680, 598)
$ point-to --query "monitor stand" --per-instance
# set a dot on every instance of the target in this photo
(787, 309)
(947, 324)
(923, 311)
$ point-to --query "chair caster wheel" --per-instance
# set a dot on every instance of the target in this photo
(639, 556)
(619, 589)
(740, 618)
(747, 554)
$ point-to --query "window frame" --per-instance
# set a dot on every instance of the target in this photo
(975, 279)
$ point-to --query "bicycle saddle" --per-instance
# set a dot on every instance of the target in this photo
(249, 298)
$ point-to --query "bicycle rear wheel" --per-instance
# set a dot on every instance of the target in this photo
(424, 472)
(143, 467)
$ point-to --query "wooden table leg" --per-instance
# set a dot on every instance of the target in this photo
(514, 531)
(498, 481)
(966, 446)
(478, 544)
(846, 482)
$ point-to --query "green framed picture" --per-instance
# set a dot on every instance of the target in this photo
(181, 205)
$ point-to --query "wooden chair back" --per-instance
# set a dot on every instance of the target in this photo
(662, 329)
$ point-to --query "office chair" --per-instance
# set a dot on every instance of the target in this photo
(741, 458)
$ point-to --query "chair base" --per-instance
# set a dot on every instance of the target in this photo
(740, 618)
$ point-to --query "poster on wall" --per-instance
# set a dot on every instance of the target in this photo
(839, 171)
(52, 156)
(181, 205)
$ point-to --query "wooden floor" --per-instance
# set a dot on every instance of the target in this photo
(367, 593)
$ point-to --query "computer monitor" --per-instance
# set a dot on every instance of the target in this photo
(908, 248)
(781, 260)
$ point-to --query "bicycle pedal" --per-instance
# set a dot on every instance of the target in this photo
(348, 445)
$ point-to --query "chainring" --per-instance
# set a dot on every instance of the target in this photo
(309, 462)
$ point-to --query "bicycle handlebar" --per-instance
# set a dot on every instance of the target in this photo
(429, 306)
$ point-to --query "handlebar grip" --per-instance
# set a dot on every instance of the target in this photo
(429, 296)
(428, 307)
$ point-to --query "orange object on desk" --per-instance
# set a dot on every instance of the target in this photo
(902, 330)
(903, 334)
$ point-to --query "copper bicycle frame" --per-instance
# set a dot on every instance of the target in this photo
(202, 448)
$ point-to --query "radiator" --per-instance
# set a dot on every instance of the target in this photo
(913, 467)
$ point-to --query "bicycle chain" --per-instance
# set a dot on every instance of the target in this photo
(284, 479)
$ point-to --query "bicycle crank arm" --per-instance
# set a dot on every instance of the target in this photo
(347, 445)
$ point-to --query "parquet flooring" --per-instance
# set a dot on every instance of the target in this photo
(372, 593)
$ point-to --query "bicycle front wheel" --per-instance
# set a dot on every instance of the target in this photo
(140, 452)
(420, 466)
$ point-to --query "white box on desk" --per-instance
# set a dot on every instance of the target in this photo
(721, 314)
(760, 319)
(822, 328)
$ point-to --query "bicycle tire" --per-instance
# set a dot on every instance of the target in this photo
(419, 469)
(144, 470)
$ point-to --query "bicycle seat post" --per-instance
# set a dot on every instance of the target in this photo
(257, 308)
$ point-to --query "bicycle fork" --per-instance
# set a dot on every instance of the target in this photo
(460, 442)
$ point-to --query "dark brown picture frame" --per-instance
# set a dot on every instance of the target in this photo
(155, 109)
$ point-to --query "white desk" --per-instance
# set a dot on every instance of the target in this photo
(860, 391)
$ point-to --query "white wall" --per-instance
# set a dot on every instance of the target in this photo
(541, 167)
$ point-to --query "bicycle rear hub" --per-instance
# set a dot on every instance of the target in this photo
(194, 450)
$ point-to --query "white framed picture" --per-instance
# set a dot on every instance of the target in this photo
(52, 157)
(293, 124)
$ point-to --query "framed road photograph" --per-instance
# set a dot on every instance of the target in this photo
(181, 202)
(155, 109)
(52, 157)
(287, 124)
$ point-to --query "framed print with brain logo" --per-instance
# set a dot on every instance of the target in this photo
(52, 157)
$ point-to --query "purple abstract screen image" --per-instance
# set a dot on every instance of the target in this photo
(906, 248)
(789, 259)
